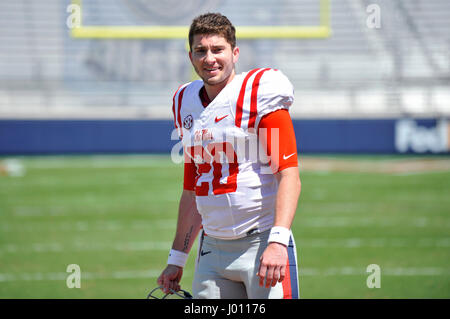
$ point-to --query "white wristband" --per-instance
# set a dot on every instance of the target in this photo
(177, 258)
(280, 235)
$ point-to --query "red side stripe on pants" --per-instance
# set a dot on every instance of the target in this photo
(240, 100)
(254, 99)
(287, 289)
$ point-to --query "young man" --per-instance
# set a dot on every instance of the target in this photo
(242, 202)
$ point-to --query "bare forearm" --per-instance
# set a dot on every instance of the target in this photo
(272, 266)
(188, 226)
(189, 223)
(287, 197)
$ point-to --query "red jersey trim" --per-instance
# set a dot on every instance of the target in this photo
(180, 99)
(173, 108)
(240, 100)
(254, 99)
(204, 98)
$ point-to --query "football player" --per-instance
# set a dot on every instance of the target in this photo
(241, 178)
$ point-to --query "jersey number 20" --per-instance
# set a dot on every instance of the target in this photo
(209, 158)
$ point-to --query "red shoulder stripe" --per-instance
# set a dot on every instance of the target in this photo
(240, 100)
(254, 99)
(173, 107)
(180, 98)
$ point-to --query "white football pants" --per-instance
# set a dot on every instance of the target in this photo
(226, 269)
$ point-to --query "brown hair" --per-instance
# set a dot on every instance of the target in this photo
(213, 23)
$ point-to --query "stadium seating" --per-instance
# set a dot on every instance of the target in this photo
(401, 68)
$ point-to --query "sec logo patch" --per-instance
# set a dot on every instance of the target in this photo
(188, 121)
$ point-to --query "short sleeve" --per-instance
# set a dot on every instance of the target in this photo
(277, 136)
(275, 92)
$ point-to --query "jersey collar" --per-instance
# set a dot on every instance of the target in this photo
(204, 97)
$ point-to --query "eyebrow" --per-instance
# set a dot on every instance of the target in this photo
(219, 46)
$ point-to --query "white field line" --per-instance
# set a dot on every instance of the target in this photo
(154, 273)
(39, 276)
(125, 161)
(30, 211)
(309, 164)
(165, 245)
(370, 222)
(85, 247)
(84, 226)
(375, 242)
(391, 271)
(393, 166)
(113, 225)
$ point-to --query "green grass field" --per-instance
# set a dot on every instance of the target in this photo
(115, 216)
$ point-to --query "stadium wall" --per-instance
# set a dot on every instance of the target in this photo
(374, 136)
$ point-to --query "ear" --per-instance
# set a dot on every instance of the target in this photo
(235, 54)
(190, 56)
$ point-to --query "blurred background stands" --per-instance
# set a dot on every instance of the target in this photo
(399, 69)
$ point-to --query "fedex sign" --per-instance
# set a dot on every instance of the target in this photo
(410, 136)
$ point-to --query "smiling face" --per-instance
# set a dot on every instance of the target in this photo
(213, 59)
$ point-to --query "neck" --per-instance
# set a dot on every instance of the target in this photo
(215, 89)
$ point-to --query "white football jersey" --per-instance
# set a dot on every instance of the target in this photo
(234, 185)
